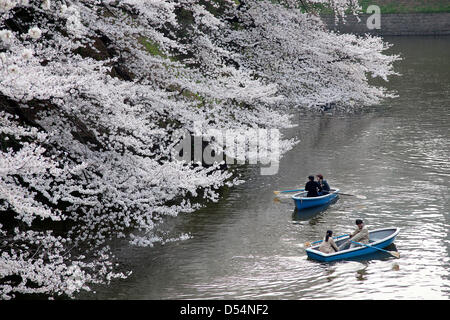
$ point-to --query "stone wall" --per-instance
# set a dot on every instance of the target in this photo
(398, 24)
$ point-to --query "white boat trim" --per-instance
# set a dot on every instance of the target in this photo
(298, 197)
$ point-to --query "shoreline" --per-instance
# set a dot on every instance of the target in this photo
(394, 24)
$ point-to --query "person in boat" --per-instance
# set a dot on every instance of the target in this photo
(361, 235)
(324, 188)
(312, 187)
(328, 245)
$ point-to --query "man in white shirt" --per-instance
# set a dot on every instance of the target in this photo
(361, 235)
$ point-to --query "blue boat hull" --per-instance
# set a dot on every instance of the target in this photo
(303, 202)
(380, 238)
(308, 213)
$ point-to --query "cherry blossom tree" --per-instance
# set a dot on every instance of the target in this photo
(92, 94)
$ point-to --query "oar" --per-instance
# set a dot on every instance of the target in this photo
(308, 244)
(395, 254)
(344, 194)
(285, 191)
(351, 195)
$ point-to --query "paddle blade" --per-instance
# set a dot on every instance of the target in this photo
(361, 197)
(276, 192)
(307, 244)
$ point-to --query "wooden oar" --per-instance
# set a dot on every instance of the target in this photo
(285, 191)
(308, 244)
(393, 253)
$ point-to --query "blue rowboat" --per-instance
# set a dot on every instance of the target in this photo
(309, 213)
(303, 202)
(379, 238)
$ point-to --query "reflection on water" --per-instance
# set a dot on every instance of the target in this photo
(247, 246)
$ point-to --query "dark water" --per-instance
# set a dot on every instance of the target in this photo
(247, 246)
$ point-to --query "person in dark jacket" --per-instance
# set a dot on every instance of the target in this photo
(312, 187)
(324, 188)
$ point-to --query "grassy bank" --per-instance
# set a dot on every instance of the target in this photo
(394, 6)
(408, 6)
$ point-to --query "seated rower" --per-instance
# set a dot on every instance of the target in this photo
(361, 235)
(312, 187)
